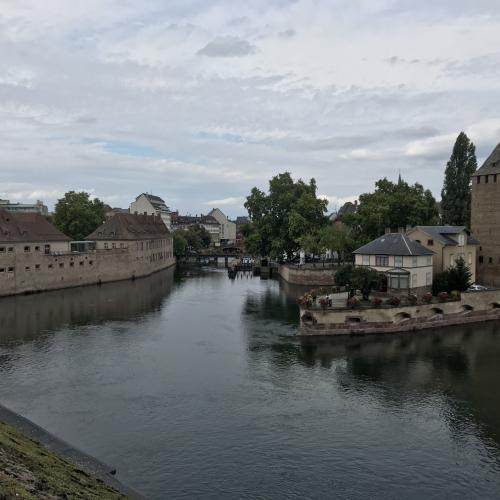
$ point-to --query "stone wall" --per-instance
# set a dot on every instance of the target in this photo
(472, 307)
(485, 226)
(312, 277)
(36, 271)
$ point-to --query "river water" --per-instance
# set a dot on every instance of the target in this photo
(196, 386)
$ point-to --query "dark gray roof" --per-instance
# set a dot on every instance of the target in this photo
(491, 165)
(393, 244)
(440, 234)
(123, 226)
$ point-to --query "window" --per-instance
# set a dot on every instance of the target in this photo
(51, 266)
(46, 249)
(2, 269)
(414, 261)
(106, 245)
(478, 179)
(2, 249)
(11, 269)
(27, 249)
(37, 267)
(113, 245)
(61, 264)
(490, 260)
(366, 260)
(399, 282)
(37, 249)
(382, 260)
(481, 259)
(81, 263)
(452, 259)
(469, 258)
(122, 245)
(428, 279)
(486, 179)
(10, 249)
(91, 262)
(27, 268)
(71, 264)
(461, 240)
(398, 261)
(414, 281)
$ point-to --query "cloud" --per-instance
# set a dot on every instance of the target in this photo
(289, 33)
(335, 202)
(228, 46)
(232, 200)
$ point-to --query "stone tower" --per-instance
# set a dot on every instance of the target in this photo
(485, 218)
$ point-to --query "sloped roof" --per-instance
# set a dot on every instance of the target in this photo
(28, 227)
(123, 226)
(156, 201)
(491, 165)
(393, 244)
(440, 234)
(186, 220)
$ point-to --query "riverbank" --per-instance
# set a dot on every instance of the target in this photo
(35, 464)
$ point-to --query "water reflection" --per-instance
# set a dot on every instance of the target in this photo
(26, 317)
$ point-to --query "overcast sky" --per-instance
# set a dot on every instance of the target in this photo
(200, 100)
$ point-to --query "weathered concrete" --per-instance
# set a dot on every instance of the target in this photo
(307, 276)
(472, 307)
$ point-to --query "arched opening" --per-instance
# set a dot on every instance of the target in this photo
(436, 311)
(466, 308)
(494, 305)
(353, 319)
(402, 317)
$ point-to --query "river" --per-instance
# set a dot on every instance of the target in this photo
(195, 386)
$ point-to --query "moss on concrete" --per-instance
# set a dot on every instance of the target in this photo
(30, 471)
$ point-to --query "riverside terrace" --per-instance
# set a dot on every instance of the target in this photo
(334, 314)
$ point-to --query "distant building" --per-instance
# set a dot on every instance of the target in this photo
(227, 227)
(180, 222)
(37, 207)
(148, 204)
(408, 265)
(485, 218)
(110, 211)
(347, 208)
(448, 243)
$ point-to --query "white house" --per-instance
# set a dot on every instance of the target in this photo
(148, 204)
(407, 264)
(227, 227)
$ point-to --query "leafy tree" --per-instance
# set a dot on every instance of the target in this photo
(365, 279)
(337, 237)
(456, 193)
(457, 277)
(197, 237)
(281, 218)
(392, 205)
(76, 215)
(343, 276)
(180, 244)
(312, 243)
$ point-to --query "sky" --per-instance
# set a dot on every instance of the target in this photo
(198, 101)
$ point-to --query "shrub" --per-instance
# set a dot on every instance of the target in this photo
(443, 296)
(313, 294)
(455, 295)
(394, 301)
(323, 291)
(377, 301)
(427, 297)
(343, 276)
(353, 302)
(412, 299)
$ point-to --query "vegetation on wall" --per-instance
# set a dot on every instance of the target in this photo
(77, 215)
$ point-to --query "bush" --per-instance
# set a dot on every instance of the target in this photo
(377, 301)
(394, 301)
(353, 302)
(343, 276)
(305, 300)
(443, 296)
(427, 297)
(457, 277)
(455, 295)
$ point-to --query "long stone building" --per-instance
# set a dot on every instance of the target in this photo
(485, 218)
(36, 256)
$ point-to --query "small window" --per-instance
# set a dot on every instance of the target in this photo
(414, 281)
(398, 261)
(37, 267)
(382, 260)
(2, 249)
(11, 269)
(495, 178)
(478, 179)
(46, 248)
(37, 249)
(81, 263)
(106, 245)
(27, 268)
(486, 179)
(366, 260)
(461, 240)
(469, 258)
(61, 264)
(113, 245)
(71, 264)
(490, 260)
(430, 243)
(452, 259)
(51, 266)
(428, 279)
(481, 259)
(91, 262)
(27, 249)
(10, 249)
(414, 261)
(2, 269)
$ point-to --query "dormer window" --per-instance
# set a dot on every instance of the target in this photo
(461, 240)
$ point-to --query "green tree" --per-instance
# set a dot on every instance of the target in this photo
(337, 237)
(76, 215)
(456, 192)
(392, 205)
(281, 218)
(197, 237)
(455, 278)
(312, 243)
(180, 244)
(343, 276)
(365, 279)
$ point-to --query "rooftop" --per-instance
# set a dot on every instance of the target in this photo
(32, 227)
(124, 226)
(491, 165)
(393, 244)
(440, 234)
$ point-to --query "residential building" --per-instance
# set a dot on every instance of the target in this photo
(485, 218)
(227, 227)
(148, 204)
(206, 221)
(37, 207)
(408, 265)
(448, 243)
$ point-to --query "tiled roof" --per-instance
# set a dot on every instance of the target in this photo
(440, 234)
(491, 165)
(32, 227)
(123, 226)
(393, 244)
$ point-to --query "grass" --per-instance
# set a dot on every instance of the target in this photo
(29, 471)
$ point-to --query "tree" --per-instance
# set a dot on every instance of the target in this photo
(338, 238)
(455, 278)
(365, 279)
(392, 205)
(281, 218)
(180, 244)
(312, 243)
(197, 237)
(76, 215)
(343, 276)
(456, 193)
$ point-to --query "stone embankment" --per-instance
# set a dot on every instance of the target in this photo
(308, 274)
(471, 308)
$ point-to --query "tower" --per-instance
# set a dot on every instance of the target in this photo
(485, 218)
